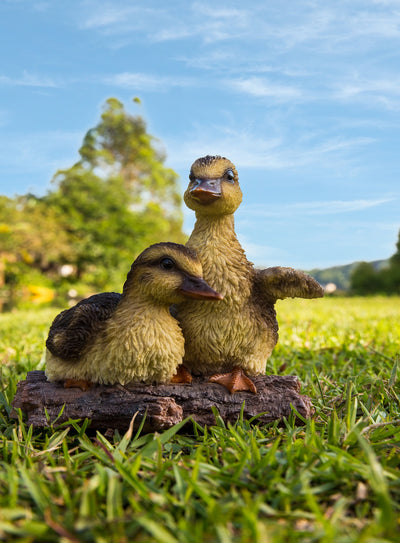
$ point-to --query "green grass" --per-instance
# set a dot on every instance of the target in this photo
(335, 479)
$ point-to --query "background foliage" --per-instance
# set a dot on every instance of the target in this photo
(366, 279)
(100, 213)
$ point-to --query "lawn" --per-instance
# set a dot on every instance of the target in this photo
(335, 479)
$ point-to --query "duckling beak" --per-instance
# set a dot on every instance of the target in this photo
(197, 288)
(207, 190)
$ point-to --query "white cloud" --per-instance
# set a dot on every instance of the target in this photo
(142, 81)
(204, 21)
(373, 89)
(107, 15)
(117, 19)
(254, 150)
(213, 11)
(332, 207)
(306, 46)
(322, 26)
(29, 80)
(374, 24)
(248, 150)
(262, 88)
(253, 86)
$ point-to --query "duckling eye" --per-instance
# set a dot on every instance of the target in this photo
(167, 263)
(230, 176)
(193, 180)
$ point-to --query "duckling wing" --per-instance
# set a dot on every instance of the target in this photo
(279, 283)
(73, 329)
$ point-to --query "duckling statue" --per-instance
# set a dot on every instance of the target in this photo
(113, 338)
(237, 336)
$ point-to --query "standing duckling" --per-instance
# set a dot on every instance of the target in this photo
(238, 335)
(114, 338)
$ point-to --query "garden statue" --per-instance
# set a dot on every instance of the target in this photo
(235, 337)
(127, 343)
(114, 338)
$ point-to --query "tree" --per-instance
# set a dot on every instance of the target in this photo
(118, 198)
(395, 259)
(393, 272)
(31, 246)
(364, 279)
(120, 147)
(100, 213)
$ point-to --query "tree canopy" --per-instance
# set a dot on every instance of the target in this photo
(366, 280)
(99, 213)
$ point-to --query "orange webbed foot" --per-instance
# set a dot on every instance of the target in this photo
(182, 376)
(234, 381)
(77, 383)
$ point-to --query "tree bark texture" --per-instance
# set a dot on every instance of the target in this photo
(162, 405)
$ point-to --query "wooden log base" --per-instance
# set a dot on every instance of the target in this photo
(112, 407)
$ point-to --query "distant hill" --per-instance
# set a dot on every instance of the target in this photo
(340, 275)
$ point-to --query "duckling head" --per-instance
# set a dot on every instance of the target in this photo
(167, 273)
(213, 187)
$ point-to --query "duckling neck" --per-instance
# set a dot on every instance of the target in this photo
(136, 305)
(223, 258)
(218, 225)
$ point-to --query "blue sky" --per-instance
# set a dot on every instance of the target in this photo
(303, 96)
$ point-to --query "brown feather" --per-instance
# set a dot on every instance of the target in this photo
(75, 328)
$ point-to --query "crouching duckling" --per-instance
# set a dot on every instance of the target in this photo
(113, 338)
